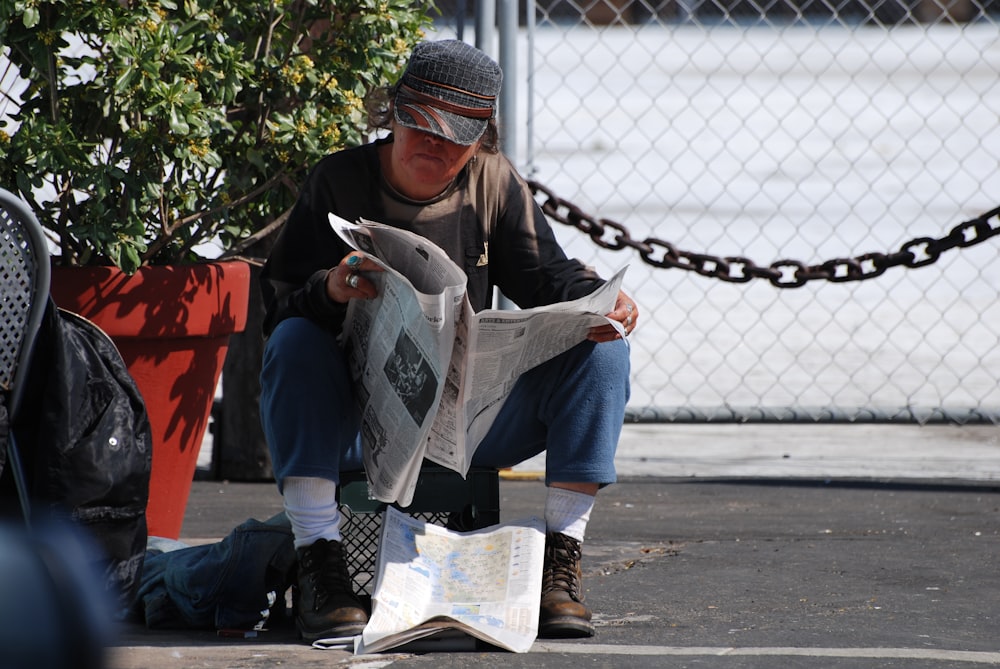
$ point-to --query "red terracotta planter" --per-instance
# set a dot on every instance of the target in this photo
(172, 326)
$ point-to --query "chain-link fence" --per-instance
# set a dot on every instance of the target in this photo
(783, 135)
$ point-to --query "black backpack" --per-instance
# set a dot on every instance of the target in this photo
(86, 447)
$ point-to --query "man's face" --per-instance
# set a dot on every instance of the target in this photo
(423, 165)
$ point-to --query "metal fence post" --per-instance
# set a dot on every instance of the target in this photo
(507, 22)
(486, 14)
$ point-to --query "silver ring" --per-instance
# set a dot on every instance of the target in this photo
(352, 280)
(628, 309)
(628, 321)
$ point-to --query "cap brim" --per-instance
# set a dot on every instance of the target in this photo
(446, 125)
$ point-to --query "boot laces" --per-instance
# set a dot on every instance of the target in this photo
(326, 569)
(562, 565)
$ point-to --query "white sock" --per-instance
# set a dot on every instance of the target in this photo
(567, 512)
(311, 506)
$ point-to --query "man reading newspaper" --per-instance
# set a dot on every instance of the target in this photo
(429, 373)
(437, 174)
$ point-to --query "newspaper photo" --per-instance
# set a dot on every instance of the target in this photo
(433, 379)
(431, 581)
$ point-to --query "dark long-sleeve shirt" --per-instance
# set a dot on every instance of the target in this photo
(487, 222)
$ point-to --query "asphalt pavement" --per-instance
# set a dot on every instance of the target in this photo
(722, 546)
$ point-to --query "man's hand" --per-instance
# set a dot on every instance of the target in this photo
(625, 312)
(346, 279)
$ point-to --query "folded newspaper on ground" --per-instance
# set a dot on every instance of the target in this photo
(431, 582)
(432, 382)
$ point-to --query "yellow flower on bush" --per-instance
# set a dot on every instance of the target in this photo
(352, 100)
(331, 135)
(295, 72)
(199, 146)
(291, 75)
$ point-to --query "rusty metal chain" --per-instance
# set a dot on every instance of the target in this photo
(783, 273)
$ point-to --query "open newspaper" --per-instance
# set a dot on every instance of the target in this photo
(430, 581)
(430, 374)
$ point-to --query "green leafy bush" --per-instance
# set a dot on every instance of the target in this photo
(149, 128)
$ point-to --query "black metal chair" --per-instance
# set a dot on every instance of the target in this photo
(55, 616)
(24, 291)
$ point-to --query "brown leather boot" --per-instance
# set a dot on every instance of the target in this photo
(326, 605)
(563, 613)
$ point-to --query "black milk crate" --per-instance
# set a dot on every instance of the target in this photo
(442, 497)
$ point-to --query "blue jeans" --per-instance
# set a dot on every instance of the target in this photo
(572, 407)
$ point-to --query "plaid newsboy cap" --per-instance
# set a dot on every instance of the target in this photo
(449, 89)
